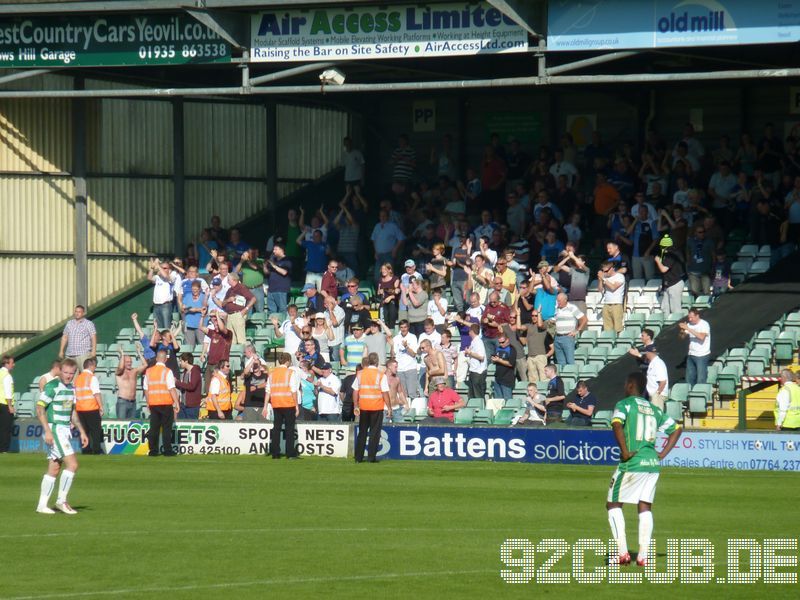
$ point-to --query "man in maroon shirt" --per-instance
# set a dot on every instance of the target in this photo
(495, 316)
(219, 343)
(237, 303)
(444, 402)
(329, 285)
(191, 390)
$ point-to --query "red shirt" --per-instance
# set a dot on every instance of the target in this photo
(220, 346)
(237, 290)
(189, 383)
(502, 314)
(329, 284)
(492, 172)
(438, 400)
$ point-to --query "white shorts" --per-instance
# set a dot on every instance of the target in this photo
(632, 488)
(62, 443)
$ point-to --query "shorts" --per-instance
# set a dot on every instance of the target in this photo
(62, 443)
(632, 488)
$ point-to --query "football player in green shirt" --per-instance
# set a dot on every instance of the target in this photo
(635, 423)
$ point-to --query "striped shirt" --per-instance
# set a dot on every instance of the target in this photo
(353, 351)
(58, 399)
(567, 319)
(79, 337)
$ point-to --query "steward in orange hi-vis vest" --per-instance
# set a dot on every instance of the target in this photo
(157, 391)
(162, 398)
(89, 407)
(282, 390)
(84, 398)
(370, 398)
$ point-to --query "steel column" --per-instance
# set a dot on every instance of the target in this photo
(81, 213)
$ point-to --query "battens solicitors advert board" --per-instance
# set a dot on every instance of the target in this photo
(455, 29)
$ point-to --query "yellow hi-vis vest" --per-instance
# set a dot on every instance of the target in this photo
(792, 420)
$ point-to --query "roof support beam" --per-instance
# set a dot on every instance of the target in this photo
(588, 62)
(291, 72)
(234, 28)
(23, 75)
(525, 14)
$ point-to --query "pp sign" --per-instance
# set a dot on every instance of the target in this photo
(423, 115)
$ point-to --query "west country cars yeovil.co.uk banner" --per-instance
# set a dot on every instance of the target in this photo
(384, 32)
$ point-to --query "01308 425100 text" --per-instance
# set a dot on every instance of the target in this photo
(686, 561)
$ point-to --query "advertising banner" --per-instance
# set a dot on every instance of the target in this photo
(621, 24)
(455, 29)
(200, 437)
(113, 40)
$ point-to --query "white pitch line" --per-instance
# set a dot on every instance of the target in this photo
(256, 582)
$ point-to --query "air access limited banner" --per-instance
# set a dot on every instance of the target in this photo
(200, 437)
(384, 32)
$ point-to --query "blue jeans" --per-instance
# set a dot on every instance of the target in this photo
(189, 413)
(502, 391)
(491, 346)
(258, 292)
(332, 418)
(564, 349)
(126, 409)
(277, 301)
(697, 369)
(334, 352)
(162, 314)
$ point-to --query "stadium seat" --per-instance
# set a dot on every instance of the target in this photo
(101, 350)
(26, 404)
(635, 320)
(541, 386)
(655, 319)
(674, 317)
(602, 418)
(617, 352)
(464, 416)
(582, 355)
(758, 267)
(476, 403)
(589, 371)
(598, 357)
(126, 334)
(728, 380)
(587, 338)
(483, 417)
(702, 302)
(565, 415)
(747, 251)
(628, 336)
(565, 371)
(785, 346)
(712, 374)
(504, 416)
(674, 410)
(764, 253)
(636, 285)
(739, 271)
(513, 404)
(569, 382)
(736, 357)
(758, 360)
(701, 398)
(652, 285)
(679, 392)
(606, 339)
(645, 302)
(409, 416)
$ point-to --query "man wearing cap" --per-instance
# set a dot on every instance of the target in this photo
(657, 377)
(352, 350)
(443, 402)
(673, 271)
(409, 273)
(370, 398)
(314, 302)
(329, 406)
(238, 302)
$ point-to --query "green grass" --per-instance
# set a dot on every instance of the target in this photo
(248, 527)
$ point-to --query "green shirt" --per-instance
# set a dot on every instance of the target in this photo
(640, 421)
(253, 277)
(292, 233)
(58, 400)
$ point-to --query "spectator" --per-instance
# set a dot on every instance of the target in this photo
(218, 347)
(352, 291)
(353, 163)
(493, 178)
(319, 222)
(436, 269)
(433, 365)
(335, 317)
(322, 333)
(308, 391)
(606, 199)
(699, 332)
(144, 340)
(673, 271)
(204, 247)
(494, 317)
(582, 408)
(486, 228)
(397, 393)
(505, 359)
(328, 403)
(535, 408)
(573, 275)
(352, 351)
(127, 379)
(458, 276)
(612, 287)
(346, 395)
(217, 232)
(191, 276)
(643, 234)
(164, 281)
(546, 289)
(480, 278)
(615, 256)
(357, 314)
(314, 301)
(561, 166)
(309, 353)
(235, 248)
(554, 401)
(343, 274)
(647, 336)
(7, 408)
(329, 285)
(289, 330)
(417, 301)
(79, 339)
(437, 310)
(376, 336)
(252, 272)
(573, 229)
(387, 239)
(477, 359)
(450, 353)
(787, 403)
(443, 402)
(238, 302)
(657, 377)
(700, 253)
(193, 309)
(469, 192)
(388, 294)
(167, 341)
(55, 370)
(721, 270)
(278, 268)
(191, 389)
(316, 256)
(508, 279)
(516, 215)
(404, 162)
(570, 321)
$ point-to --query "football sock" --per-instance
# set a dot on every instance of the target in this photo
(617, 521)
(645, 533)
(64, 485)
(48, 483)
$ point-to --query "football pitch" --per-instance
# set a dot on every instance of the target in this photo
(250, 527)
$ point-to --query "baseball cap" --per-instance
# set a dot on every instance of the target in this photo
(409, 263)
(326, 366)
(356, 326)
(216, 281)
(543, 264)
(309, 286)
(650, 348)
(438, 380)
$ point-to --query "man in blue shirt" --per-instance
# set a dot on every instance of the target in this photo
(235, 248)
(316, 256)
(387, 239)
(278, 268)
(192, 310)
(643, 235)
(582, 409)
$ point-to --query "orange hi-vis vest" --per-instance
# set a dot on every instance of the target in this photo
(280, 392)
(157, 392)
(84, 398)
(224, 396)
(370, 396)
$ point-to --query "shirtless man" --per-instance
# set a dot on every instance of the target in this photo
(397, 393)
(435, 365)
(127, 378)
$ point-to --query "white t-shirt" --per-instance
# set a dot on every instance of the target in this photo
(294, 381)
(8, 384)
(433, 312)
(338, 331)
(164, 289)
(292, 340)
(384, 382)
(214, 386)
(476, 311)
(657, 371)
(696, 347)
(328, 404)
(490, 255)
(564, 168)
(353, 162)
(435, 337)
(618, 295)
(405, 362)
(475, 365)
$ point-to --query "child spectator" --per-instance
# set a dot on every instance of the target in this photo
(721, 273)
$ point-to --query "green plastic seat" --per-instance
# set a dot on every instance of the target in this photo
(504, 416)
(605, 339)
(674, 410)
(680, 393)
(602, 418)
(464, 416)
(483, 417)
(701, 398)
(476, 403)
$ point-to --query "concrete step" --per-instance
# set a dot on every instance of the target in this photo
(731, 422)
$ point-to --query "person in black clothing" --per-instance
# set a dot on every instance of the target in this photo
(647, 337)
(765, 225)
(582, 408)
(356, 313)
(555, 394)
(505, 360)
(346, 394)
(673, 271)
